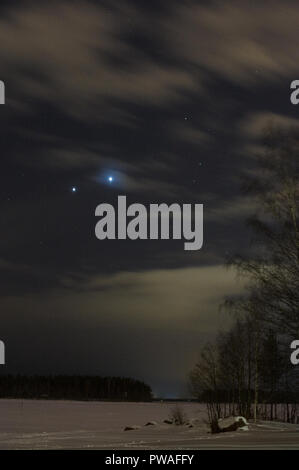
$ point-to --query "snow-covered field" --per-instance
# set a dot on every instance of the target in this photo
(46, 424)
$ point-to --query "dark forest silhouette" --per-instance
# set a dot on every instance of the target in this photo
(74, 387)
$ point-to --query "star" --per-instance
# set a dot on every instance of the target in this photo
(110, 179)
(74, 189)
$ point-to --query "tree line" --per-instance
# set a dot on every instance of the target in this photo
(247, 370)
(74, 387)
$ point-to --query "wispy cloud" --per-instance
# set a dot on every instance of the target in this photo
(242, 41)
(58, 53)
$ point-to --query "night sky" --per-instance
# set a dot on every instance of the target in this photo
(169, 99)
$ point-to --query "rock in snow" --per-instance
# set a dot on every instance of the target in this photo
(168, 421)
(131, 428)
(232, 423)
(151, 423)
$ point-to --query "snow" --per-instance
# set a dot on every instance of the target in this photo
(237, 418)
(47, 424)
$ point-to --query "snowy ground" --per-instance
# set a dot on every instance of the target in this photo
(43, 424)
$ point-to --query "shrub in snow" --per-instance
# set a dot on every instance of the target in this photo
(178, 416)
